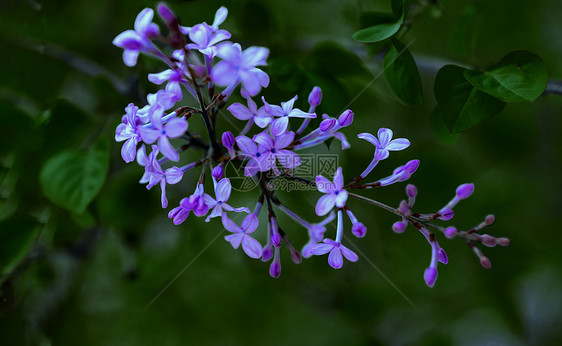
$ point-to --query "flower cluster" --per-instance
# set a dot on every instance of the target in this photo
(203, 64)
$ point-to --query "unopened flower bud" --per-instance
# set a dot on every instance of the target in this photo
(430, 275)
(443, 256)
(275, 267)
(488, 240)
(446, 214)
(228, 140)
(399, 226)
(359, 230)
(327, 124)
(485, 262)
(217, 172)
(411, 191)
(490, 219)
(296, 257)
(465, 190)
(503, 241)
(412, 166)
(451, 232)
(315, 96)
(346, 118)
(267, 253)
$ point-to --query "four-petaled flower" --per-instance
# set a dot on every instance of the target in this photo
(222, 193)
(336, 250)
(385, 143)
(175, 127)
(242, 235)
(129, 131)
(284, 112)
(240, 67)
(252, 112)
(334, 193)
(138, 40)
(272, 149)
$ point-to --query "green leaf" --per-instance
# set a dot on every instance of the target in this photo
(402, 75)
(17, 234)
(460, 104)
(330, 57)
(439, 128)
(378, 27)
(71, 179)
(520, 76)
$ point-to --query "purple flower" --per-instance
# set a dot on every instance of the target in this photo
(138, 40)
(159, 102)
(272, 149)
(284, 112)
(316, 233)
(334, 193)
(240, 67)
(172, 129)
(385, 143)
(129, 131)
(401, 173)
(155, 174)
(195, 202)
(252, 112)
(204, 39)
(222, 193)
(242, 235)
(250, 150)
(336, 250)
(174, 79)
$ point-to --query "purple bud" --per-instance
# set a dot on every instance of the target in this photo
(327, 125)
(446, 214)
(451, 232)
(359, 230)
(485, 262)
(275, 267)
(411, 191)
(346, 118)
(296, 257)
(430, 276)
(488, 240)
(167, 15)
(443, 256)
(217, 172)
(412, 166)
(276, 240)
(404, 208)
(228, 139)
(267, 253)
(490, 219)
(503, 241)
(315, 96)
(399, 226)
(465, 190)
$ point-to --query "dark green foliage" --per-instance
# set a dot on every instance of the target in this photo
(401, 74)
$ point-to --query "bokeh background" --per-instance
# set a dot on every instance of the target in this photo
(92, 279)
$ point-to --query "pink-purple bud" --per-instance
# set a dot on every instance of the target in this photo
(276, 239)
(404, 208)
(490, 219)
(346, 118)
(430, 275)
(411, 191)
(442, 255)
(503, 241)
(327, 124)
(359, 230)
(217, 172)
(446, 214)
(275, 268)
(167, 15)
(296, 257)
(412, 166)
(465, 190)
(267, 253)
(488, 240)
(485, 262)
(399, 226)
(228, 140)
(451, 232)
(315, 97)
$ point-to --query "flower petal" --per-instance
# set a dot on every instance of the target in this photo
(348, 254)
(385, 135)
(288, 159)
(175, 127)
(341, 198)
(223, 189)
(279, 126)
(229, 225)
(398, 144)
(324, 185)
(264, 139)
(288, 106)
(251, 247)
(325, 204)
(234, 239)
(320, 249)
(369, 138)
(335, 259)
(250, 223)
(167, 150)
(173, 175)
(338, 178)
(240, 111)
(149, 135)
(284, 139)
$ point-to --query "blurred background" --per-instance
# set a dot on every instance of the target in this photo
(120, 273)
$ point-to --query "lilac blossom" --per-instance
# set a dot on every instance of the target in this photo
(195, 203)
(284, 112)
(129, 131)
(159, 102)
(162, 132)
(241, 235)
(252, 113)
(384, 143)
(219, 205)
(272, 149)
(205, 36)
(138, 40)
(334, 193)
(155, 174)
(250, 150)
(174, 79)
(335, 248)
(239, 66)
